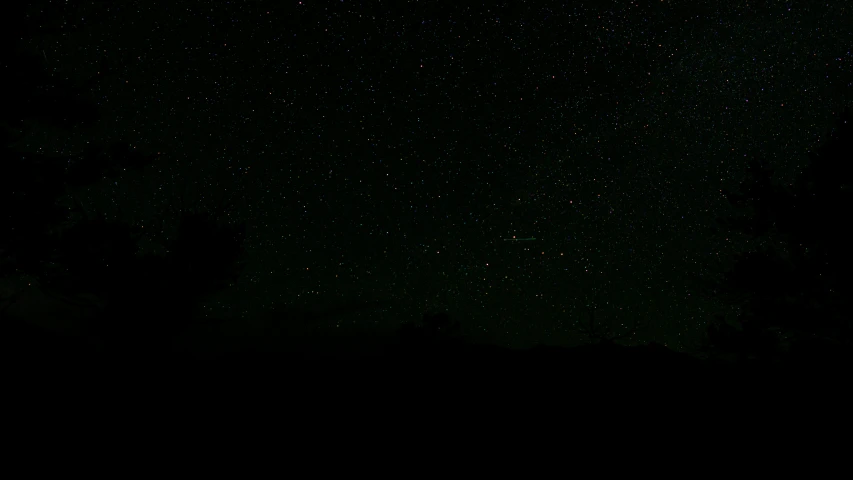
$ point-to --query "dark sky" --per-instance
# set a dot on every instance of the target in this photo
(383, 151)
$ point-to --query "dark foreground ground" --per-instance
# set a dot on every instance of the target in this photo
(416, 382)
(410, 355)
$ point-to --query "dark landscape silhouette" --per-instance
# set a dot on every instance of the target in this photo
(112, 305)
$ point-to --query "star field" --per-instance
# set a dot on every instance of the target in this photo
(383, 151)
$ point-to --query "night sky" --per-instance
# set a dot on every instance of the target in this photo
(382, 152)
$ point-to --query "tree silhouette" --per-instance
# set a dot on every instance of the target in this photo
(793, 287)
(50, 242)
(145, 301)
(33, 180)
